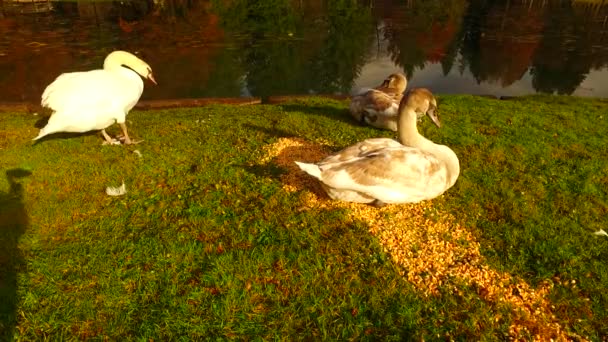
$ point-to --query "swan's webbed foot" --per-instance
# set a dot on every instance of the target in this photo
(108, 139)
(127, 141)
(125, 137)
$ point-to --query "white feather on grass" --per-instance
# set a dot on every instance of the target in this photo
(601, 232)
(117, 191)
(138, 153)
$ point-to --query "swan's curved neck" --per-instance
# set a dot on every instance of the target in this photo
(117, 59)
(409, 136)
(408, 132)
(113, 62)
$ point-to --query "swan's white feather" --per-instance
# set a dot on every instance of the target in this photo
(94, 91)
(117, 191)
(93, 100)
(601, 232)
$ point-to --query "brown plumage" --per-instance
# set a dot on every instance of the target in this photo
(394, 85)
(378, 107)
(422, 102)
(382, 170)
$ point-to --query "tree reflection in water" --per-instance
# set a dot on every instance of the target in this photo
(220, 48)
(335, 67)
(566, 56)
(424, 32)
(270, 67)
(285, 52)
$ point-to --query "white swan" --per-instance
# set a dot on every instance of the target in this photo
(383, 171)
(378, 107)
(93, 100)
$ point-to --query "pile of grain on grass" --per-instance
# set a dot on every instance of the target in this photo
(432, 250)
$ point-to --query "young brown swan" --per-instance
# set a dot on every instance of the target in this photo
(96, 99)
(378, 107)
(383, 170)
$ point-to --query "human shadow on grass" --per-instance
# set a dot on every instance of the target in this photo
(14, 222)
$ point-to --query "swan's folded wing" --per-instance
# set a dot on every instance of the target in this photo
(77, 90)
(357, 104)
(359, 149)
(51, 96)
(372, 103)
(377, 102)
(394, 93)
(395, 174)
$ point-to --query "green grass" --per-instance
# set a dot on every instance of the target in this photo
(207, 244)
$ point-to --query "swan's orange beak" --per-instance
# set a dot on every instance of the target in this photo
(432, 113)
(151, 78)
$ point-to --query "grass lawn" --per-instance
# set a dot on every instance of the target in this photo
(220, 236)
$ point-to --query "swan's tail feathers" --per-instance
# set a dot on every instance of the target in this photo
(311, 169)
(41, 134)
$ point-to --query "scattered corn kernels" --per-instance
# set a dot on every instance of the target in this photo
(430, 253)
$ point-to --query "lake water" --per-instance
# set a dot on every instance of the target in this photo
(282, 47)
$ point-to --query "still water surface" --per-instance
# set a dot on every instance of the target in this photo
(280, 47)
